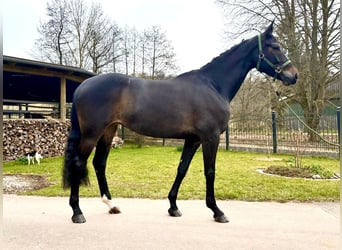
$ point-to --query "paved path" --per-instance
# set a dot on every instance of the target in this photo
(44, 223)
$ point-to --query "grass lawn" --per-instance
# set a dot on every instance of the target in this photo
(148, 172)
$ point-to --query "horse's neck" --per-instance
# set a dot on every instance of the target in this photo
(229, 70)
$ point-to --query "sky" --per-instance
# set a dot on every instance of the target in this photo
(195, 27)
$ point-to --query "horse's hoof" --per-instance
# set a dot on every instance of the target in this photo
(221, 219)
(114, 210)
(174, 212)
(79, 218)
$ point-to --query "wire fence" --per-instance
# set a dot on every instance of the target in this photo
(285, 134)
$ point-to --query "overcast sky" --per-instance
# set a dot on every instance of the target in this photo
(195, 27)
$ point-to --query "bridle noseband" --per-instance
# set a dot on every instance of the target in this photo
(277, 69)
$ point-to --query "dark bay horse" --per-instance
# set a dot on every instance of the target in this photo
(193, 106)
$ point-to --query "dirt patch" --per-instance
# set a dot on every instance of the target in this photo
(18, 183)
(289, 171)
(303, 172)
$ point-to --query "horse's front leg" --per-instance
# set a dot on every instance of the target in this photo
(190, 147)
(209, 157)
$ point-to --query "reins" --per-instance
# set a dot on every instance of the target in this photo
(277, 69)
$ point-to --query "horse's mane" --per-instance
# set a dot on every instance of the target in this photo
(220, 59)
(227, 53)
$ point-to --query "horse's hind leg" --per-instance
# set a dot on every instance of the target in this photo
(190, 147)
(79, 176)
(100, 159)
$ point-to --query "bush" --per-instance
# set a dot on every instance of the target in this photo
(322, 172)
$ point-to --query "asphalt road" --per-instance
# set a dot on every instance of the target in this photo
(44, 223)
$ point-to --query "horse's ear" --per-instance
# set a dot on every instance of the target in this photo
(269, 30)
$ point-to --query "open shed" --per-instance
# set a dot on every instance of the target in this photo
(27, 82)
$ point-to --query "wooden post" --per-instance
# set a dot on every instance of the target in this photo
(227, 137)
(274, 131)
(62, 104)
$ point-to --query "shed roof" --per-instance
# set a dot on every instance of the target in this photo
(33, 81)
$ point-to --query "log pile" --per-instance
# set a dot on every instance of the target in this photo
(21, 136)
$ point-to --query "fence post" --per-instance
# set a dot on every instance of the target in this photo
(274, 131)
(227, 138)
(338, 113)
(122, 132)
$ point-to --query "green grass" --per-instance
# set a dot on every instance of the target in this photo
(148, 172)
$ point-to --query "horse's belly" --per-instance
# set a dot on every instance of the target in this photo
(158, 125)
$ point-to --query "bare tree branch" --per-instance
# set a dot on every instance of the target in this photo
(309, 30)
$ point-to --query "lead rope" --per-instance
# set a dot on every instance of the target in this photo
(278, 93)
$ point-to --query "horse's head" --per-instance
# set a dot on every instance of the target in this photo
(272, 59)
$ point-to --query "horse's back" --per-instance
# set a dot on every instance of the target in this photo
(97, 86)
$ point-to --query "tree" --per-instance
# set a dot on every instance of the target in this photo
(126, 48)
(79, 35)
(309, 31)
(100, 46)
(134, 48)
(148, 52)
(117, 51)
(75, 35)
(53, 33)
(161, 56)
(254, 98)
(143, 50)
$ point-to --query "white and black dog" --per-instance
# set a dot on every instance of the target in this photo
(34, 155)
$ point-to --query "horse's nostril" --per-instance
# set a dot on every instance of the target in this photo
(296, 76)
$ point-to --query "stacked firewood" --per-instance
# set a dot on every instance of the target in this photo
(21, 136)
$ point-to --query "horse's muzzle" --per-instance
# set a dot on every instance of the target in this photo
(289, 75)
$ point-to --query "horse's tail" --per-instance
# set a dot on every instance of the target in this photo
(75, 169)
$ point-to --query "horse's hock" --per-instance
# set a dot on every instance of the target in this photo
(21, 136)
